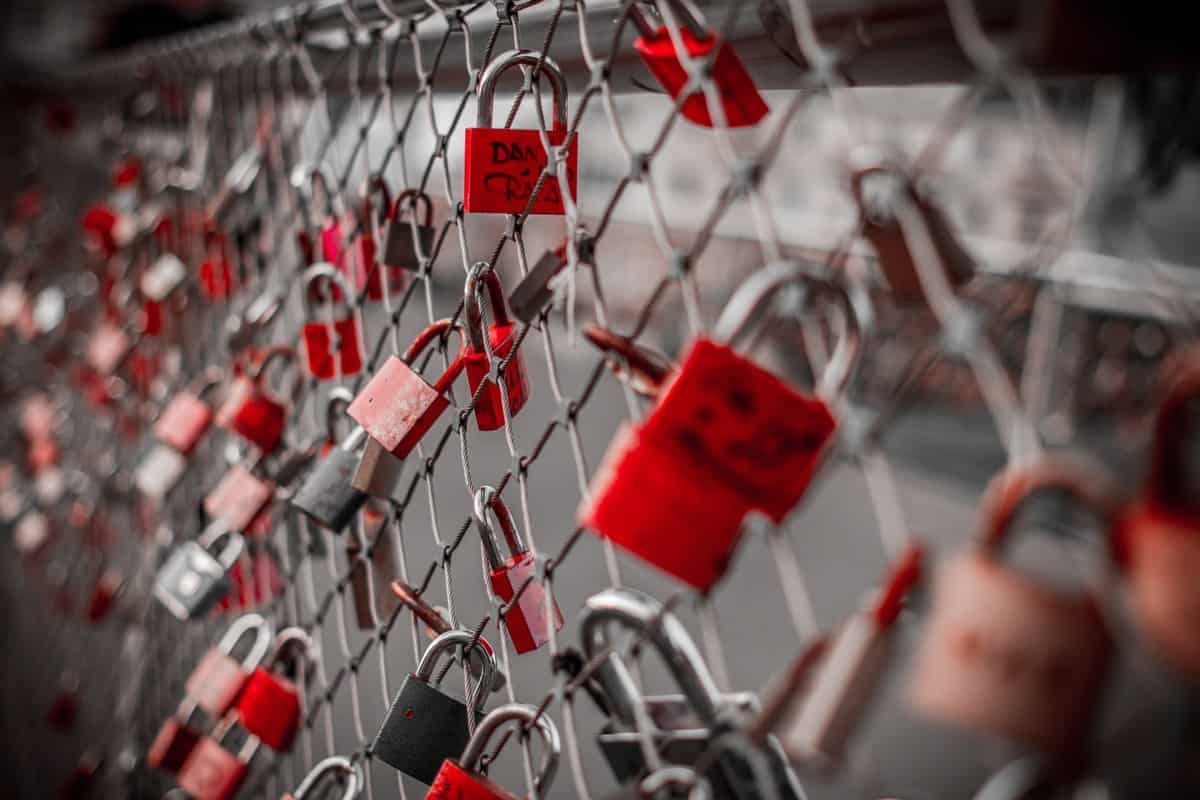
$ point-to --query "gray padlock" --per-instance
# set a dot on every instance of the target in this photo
(193, 580)
(424, 725)
(326, 496)
(682, 727)
(537, 289)
(377, 472)
(399, 245)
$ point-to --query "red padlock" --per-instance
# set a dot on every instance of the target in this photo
(461, 779)
(503, 165)
(527, 622)
(238, 498)
(1009, 655)
(725, 437)
(249, 410)
(741, 101)
(64, 709)
(210, 772)
(187, 416)
(495, 345)
(329, 356)
(398, 407)
(271, 705)
(1160, 532)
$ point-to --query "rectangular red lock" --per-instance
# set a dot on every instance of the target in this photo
(183, 422)
(318, 348)
(455, 783)
(526, 621)
(269, 708)
(503, 166)
(489, 408)
(211, 772)
(398, 407)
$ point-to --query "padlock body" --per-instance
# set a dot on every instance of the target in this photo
(691, 529)
(526, 621)
(1005, 655)
(269, 708)
(216, 682)
(502, 169)
(1164, 575)
(318, 349)
(238, 498)
(536, 290)
(159, 471)
(326, 496)
(190, 582)
(254, 416)
(377, 472)
(216, 279)
(183, 422)
(211, 772)
(455, 783)
(489, 408)
(397, 407)
(172, 746)
(895, 257)
(399, 249)
(423, 728)
(740, 99)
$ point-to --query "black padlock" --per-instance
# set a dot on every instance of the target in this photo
(424, 725)
(327, 496)
(399, 245)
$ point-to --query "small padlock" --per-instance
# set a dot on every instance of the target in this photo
(526, 622)
(324, 769)
(1004, 653)
(369, 575)
(306, 178)
(397, 407)
(211, 772)
(270, 706)
(495, 345)
(725, 437)
(437, 624)
(185, 419)
(459, 777)
(535, 292)
(741, 101)
(406, 243)
(162, 278)
(503, 165)
(327, 496)
(340, 354)
(238, 499)
(1160, 531)
(250, 410)
(193, 580)
(425, 725)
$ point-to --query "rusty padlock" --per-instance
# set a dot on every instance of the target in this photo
(398, 407)
(407, 243)
(493, 345)
(538, 290)
(1005, 653)
(250, 410)
(725, 437)
(328, 355)
(503, 165)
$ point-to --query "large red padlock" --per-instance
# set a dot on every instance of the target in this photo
(529, 621)
(398, 407)
(503, 165)
(1160, 532)
(461, 780)
(328, 356)
(1004, 653)
(238, 498)
(726, 437)
(187, 416)
(500, 339)
(250, 410)
(741, 101)
(271, 704)
(210, 772)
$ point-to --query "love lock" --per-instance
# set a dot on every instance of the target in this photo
(328, 356)
(326, 496)
(238, 499)
(193, 580)
(322, 772)
(270, 706)
(407, 243)
(492, 347)
(461, 780)
(527, 622)
(178, 429)
(212, 772)
(251, 411)
(503, 165)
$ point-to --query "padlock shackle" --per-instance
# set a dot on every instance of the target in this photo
(756, 294)
(487, 498)
(528, 58)
(239, 628)
(644, 369)
(473, 304)
(1086, 484)
(460, 638)
(677, 778)
(339, 400)
(524, 715)
(334, 765)
(1175, 424)
(325, 270)
(430, 335)
(258, 368)
(217, 530)
(287, 641)
(417, 198)
(650, 619)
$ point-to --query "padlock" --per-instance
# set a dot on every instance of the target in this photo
(172, 745)
(159, 471)
(326, 496)
(250, 410)
(216, 278)
(187, 416)
(424, 725)
(1004, 653)
(643, 369)
(683, 728)
(741, 101)
(503, 165)
(306, 178)
(364, 270)
(321, 773)
(406, 243)
(535, 292)
(162, 278)
(459, 777)
(107, 348)
(193, 580)
(270, 706)
(725, 437)
(495, 345)
(437, 624)
(818, 706)
(340, 354)
(211, 772)
(526, 622)
(878, 189)
(238, 499)
(397, 407)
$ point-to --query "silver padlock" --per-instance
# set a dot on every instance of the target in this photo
(193, 580)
